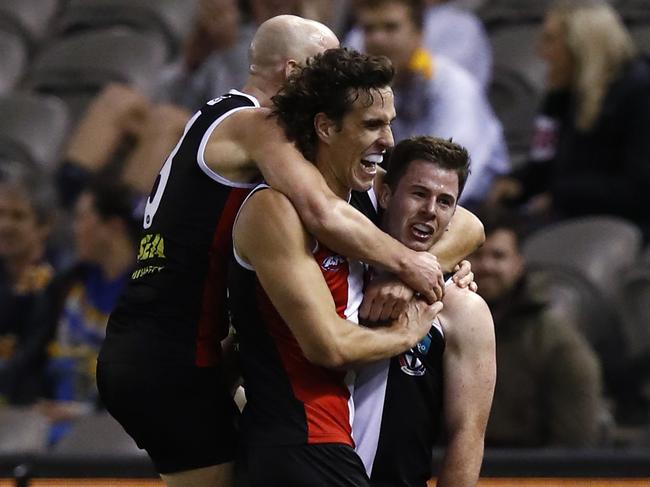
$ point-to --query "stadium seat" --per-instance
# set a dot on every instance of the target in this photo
(32, 128)
(170, 19)
(646, 255)
(28, 18)
(513, 48)
(75, 68)
(515, 102)
(634, 299)
(98, 435)
(91, 59)
(634, 11)
(498, 12)
(13, 53)
(469, 4)
(22, 431)
(641, 35)
(574, 299)
(596, 247)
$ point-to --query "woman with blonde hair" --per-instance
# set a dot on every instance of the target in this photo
(591, 149)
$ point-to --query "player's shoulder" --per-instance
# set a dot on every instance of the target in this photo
(456, 297)
(463, 305)
(268, 206)
(267, 220)
(255, 124)
(266, 194)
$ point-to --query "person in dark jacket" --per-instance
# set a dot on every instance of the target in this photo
(591, 149)
(549, 386)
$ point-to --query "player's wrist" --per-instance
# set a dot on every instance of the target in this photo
(407, 263)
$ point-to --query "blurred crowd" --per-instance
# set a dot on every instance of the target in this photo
(552, 100)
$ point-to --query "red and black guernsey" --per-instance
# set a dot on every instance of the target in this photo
(291, 401)
(174, 306)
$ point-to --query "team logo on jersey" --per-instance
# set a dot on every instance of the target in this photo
(409, 362)
(332, 262)
(151, 246)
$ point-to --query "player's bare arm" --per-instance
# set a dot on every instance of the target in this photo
(386, 296)
(270, 236)
(469, 368)
(250, 135)
(463, 236)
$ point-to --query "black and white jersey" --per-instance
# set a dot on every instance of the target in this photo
(174, 306)
(398, 407)
(366, 203)
(398, 403)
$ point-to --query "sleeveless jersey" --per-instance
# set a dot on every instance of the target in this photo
(398, 403)
(291, 401)
(174, 306)
(366, 203)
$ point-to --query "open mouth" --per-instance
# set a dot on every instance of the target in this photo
(422, 231)
(369, 162)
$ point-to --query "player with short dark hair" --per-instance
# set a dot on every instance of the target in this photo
(448, 377)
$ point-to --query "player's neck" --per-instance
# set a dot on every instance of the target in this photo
(338, 187)
(262, 89)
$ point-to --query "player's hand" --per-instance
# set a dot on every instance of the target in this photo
(417, 319)
(384, 298)
(464, 277)
(424, 274)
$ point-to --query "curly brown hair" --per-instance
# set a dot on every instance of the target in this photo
(329, 83)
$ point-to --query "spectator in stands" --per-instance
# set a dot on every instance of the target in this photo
(452, 32)
(122, 123)
(261, 10)
(80, 300)
(27, 206)
(591, 149)
(333, 13)
(433, 95)
(213, 61)
(548, 390)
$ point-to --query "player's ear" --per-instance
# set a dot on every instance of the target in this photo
(324, 127)
(289, 67)
(384, 196)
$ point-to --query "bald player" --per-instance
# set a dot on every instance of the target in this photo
(158, 371)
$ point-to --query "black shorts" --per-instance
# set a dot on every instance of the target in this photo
(182, 416)
(320, 465)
